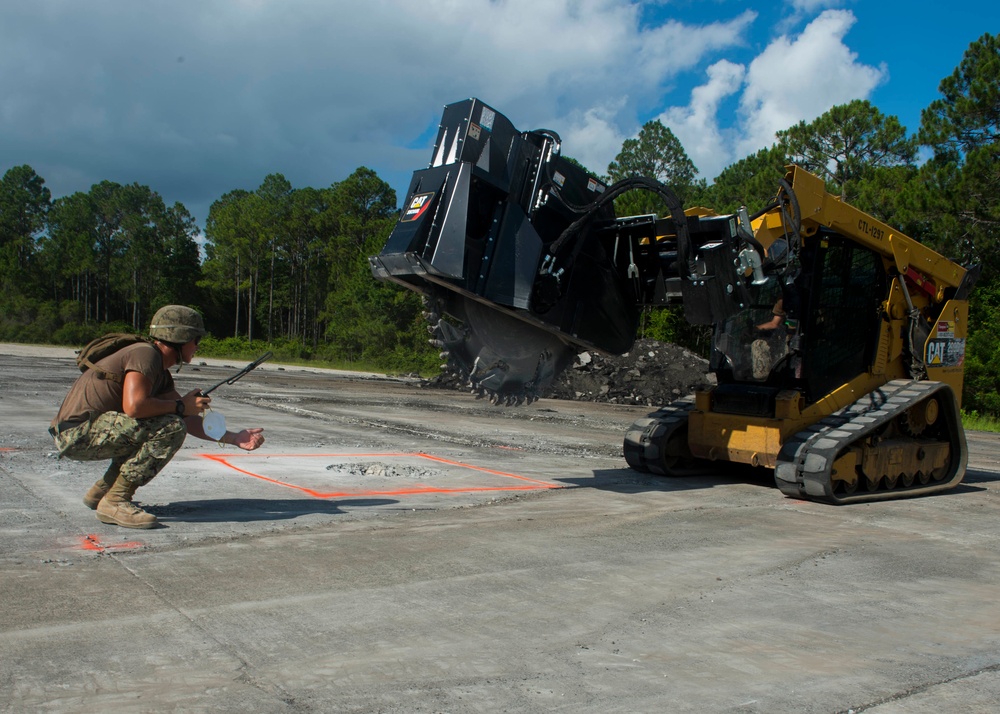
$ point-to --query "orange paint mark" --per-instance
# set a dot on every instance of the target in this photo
(8, 448)
(525, 483)
(93, 542)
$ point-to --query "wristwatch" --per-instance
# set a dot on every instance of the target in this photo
(179, 411)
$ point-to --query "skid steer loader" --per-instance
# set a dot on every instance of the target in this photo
(838, 342)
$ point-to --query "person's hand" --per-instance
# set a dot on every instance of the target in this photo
(248, 439)
(195, 402)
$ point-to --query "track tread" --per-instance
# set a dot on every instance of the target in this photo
(804, 468)
(647, 437)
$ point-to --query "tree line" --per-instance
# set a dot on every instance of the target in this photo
(282, 266)
(288, 266)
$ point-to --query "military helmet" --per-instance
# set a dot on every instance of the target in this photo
(176, 323)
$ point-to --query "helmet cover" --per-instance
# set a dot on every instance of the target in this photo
(176, 323)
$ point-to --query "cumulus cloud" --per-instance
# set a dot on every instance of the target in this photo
(592, 137)
(196, 98)
(799, 79)
(697, 125)
(802, 10)
(795, 78)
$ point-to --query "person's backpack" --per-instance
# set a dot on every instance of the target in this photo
(97, 349)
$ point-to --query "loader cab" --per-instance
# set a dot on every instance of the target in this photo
(828, 298)
(841, 318)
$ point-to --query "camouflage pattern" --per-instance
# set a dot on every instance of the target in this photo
(176, 323)
(114, 468)
(138, 448)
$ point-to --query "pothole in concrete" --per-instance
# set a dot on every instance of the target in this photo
(380, 469)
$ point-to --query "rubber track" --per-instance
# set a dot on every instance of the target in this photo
(647, 437)
(806, 459)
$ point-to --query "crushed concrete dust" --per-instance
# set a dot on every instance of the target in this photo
(380, 469)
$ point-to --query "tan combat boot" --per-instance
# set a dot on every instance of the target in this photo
(117, 508)
(95, 494)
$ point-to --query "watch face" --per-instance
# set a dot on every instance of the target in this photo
(180, 408)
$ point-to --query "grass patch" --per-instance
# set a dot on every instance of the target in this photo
(974, 421)
(346, 365)
(293, 352)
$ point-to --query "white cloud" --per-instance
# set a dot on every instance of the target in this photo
(676, 46)
(697, 125)
(799, 79)
(811, 7)
(198, 98)
(795, 78)
(801, 10)
(195, 98)
(592, 137)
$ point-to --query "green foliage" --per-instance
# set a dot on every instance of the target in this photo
(24, 319)
(33, 321)
(24, 205)
(750, 182)
(957, 193)
(981, 390)
(656, 153)
(847, 143)
(286, 269)
(230, 347)
(119, 252)
(880, 192)
(974, 421)
(967, 116)
(953, 203)
(667, 324)
(292, 265)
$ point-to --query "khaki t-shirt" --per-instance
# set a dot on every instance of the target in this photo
(91, 396)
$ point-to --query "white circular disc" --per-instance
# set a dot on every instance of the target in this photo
(214, 424)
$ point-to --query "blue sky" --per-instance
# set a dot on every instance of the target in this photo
(195, 98)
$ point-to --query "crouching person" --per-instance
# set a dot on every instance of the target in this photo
(125, 408)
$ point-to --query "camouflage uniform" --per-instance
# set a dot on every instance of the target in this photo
(92, 425)
(138, 448)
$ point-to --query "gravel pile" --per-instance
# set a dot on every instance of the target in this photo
(652, 374)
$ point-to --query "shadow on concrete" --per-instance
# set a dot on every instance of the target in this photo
(629, 481)
(978, 476)
(963, 487)
(242, 510)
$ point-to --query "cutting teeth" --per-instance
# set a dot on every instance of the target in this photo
(501, 359)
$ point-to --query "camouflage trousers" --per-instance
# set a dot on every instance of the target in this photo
(138, 448)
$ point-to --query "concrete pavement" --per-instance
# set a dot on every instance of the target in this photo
(395, 549)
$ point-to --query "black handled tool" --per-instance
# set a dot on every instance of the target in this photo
(242, 373)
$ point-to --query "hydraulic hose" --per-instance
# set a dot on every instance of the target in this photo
(684, 249)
